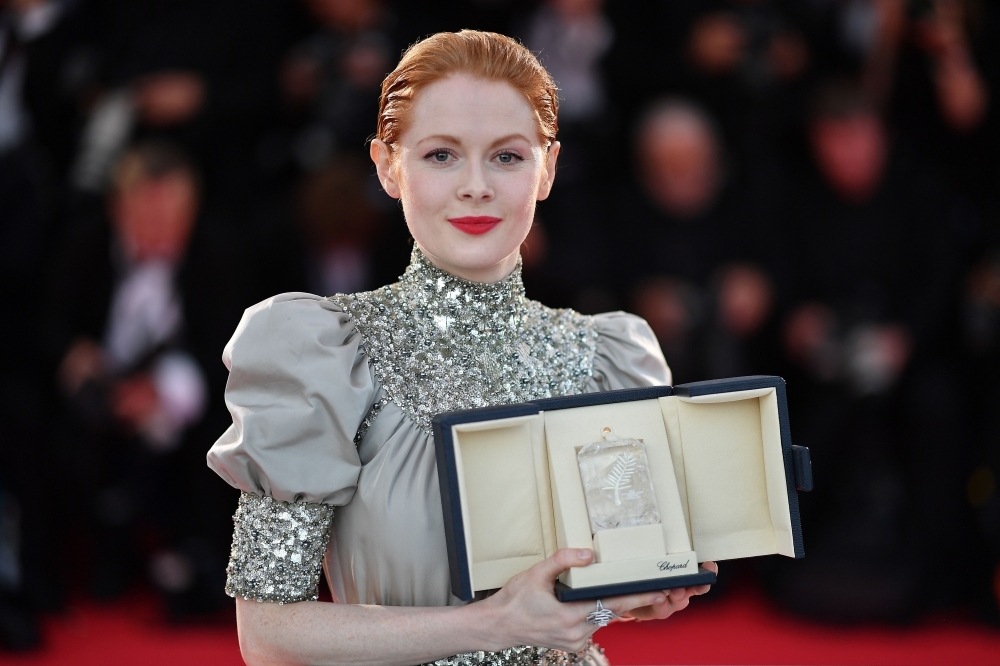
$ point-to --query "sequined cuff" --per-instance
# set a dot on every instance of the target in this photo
(278, 549)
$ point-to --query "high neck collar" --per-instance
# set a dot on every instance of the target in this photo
(438, 343)
(423, 276)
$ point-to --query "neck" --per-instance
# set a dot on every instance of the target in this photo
(502, 297)
(484, 274)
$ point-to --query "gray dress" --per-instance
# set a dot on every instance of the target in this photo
(332, 401)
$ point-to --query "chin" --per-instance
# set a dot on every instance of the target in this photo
(479, 256)
(477, 260)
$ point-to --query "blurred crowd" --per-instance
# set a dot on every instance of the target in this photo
(808, 188)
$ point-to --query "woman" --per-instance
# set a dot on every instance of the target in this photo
(332, 397)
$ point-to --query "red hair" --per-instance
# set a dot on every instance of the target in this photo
(485, 55)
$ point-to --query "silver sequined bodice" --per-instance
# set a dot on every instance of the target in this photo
(439, 343)
(435, 343)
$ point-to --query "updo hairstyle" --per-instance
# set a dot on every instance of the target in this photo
(485, 55)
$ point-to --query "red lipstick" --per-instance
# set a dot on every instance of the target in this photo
(474, 225)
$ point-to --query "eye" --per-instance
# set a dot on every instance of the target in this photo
(438, 156)
(508, 157)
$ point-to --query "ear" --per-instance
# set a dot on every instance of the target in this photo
(549, 174)
(380, 155)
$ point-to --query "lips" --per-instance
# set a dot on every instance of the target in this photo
(474, 225)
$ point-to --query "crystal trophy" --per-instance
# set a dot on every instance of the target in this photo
(617, 483)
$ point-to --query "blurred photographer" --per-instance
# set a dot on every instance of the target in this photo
(698, 276)
(331, 79)
(141, 303)
(871, 348)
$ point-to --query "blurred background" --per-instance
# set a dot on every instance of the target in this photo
(808, 188)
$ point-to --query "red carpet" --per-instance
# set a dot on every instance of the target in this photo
(744, 629)
(129, 633)
(741, 629)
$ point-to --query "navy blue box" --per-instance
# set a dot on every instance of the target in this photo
(727, 469)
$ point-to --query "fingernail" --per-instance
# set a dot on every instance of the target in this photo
(583, 554)
(659, 600)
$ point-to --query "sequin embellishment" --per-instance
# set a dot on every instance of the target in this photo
(278, 549)
(369, 419)
(527, 655)
(438, 343)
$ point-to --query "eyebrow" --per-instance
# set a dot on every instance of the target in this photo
(456, 140)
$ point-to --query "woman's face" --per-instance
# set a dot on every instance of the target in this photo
(469, 167)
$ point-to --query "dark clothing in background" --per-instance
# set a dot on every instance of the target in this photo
(236, 48)
(966, 159)
(211, 279)
(891, 462)
(889, 260)
(39, 117)
(133, 499)
(690, 249)
(60, 72)
(691, 252)
(25, 228)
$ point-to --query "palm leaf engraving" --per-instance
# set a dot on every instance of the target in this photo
(620, 476)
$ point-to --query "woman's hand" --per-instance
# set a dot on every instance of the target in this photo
(677, 599)
(527, 612)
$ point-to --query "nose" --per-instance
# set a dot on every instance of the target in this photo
(475, 186)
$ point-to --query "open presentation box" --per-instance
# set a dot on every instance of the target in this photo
(723, 469)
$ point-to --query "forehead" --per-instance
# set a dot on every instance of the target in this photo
(143, 182)
(679, 131)
(471, 109)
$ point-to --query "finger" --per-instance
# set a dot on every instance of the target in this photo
(644, 613)
(625, 603)
(678, 603)
(653, 612)
(702, 589)
(561, 560)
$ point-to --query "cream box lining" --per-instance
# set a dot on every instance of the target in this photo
(718, 474)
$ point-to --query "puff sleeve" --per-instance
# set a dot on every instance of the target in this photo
(299, 386)
(627, 354)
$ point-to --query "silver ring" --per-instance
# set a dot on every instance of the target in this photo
(600, 616)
